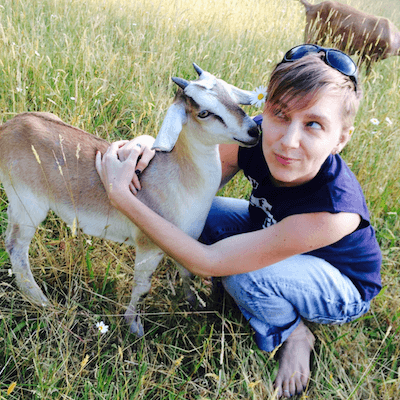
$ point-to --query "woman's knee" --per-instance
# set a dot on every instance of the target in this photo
(227, 217)
(240, 287)
(317, 290)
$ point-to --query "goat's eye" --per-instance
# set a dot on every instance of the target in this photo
(204, 114)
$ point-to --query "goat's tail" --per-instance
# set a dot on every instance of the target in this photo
(306, 4)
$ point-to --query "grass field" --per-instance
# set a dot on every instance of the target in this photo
(105, 66)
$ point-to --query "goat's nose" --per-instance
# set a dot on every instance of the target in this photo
(255, 131)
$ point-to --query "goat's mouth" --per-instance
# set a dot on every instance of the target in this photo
(247, 143)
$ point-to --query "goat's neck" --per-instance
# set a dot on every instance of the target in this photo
(198, 163)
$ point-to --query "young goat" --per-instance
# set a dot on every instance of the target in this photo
(350, 30)
(46, 164)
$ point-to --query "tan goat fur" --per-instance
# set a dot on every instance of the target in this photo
(46, 164)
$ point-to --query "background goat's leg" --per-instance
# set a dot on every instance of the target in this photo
(146, 262)
(18, 238)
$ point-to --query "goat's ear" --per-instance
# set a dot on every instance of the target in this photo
(243, 97)
(171, 128)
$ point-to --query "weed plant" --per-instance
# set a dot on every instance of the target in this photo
(105, 66)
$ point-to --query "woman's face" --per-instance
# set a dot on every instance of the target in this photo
(298, 138)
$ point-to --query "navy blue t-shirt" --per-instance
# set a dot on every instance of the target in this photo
(334, 189)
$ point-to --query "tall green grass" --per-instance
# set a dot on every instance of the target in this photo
(105, 66)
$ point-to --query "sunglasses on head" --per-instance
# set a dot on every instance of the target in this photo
(332, 57)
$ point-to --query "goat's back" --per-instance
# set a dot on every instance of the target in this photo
(41, 151)
(350, 29)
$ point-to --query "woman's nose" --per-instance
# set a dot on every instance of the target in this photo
(291, 137)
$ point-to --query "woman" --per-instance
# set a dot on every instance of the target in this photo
(302, 248)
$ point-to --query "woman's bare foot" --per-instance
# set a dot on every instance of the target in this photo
(294, 362)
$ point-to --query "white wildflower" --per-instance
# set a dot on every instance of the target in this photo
(10, 273)
(388, 121)
(37, 53)
(73, 98)
(374, 121)
(258, 96)
(102, 327)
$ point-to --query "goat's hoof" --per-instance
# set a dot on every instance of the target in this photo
(135, 325)
(30, 289)
(35, 295)
(195, 301)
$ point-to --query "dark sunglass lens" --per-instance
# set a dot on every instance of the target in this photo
(300, 51)
(342, 62)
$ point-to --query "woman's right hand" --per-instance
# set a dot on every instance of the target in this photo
(142, 152)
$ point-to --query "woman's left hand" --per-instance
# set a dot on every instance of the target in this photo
(116, 175)
(142, 147)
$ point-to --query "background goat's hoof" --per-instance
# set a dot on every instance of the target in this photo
(133, 320)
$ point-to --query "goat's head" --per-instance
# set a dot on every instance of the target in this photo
(211, 106)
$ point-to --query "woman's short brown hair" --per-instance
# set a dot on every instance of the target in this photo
(310, 75)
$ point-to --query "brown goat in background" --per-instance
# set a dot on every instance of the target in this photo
(372, 38)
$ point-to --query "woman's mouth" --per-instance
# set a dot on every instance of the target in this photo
(284, 160)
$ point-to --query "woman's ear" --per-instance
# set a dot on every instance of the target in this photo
(344, 138)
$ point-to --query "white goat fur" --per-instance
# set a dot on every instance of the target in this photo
(46, 164)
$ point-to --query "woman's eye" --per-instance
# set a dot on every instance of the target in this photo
(314, 125)
(203, 114)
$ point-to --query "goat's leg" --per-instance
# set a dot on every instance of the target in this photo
(146, 262)
(20, 230)
(187, 282)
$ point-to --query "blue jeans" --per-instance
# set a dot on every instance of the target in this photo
(274, 299)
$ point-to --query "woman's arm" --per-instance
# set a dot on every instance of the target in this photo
(229, 162)
(237, 254)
